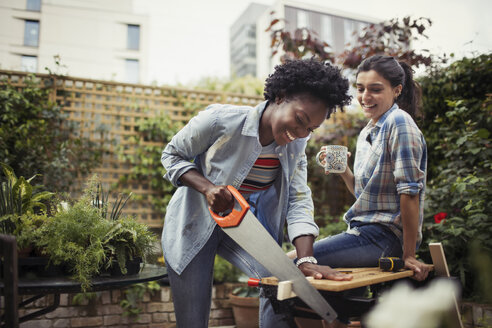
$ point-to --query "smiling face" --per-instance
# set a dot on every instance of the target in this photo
(375, 94)
(286, 120)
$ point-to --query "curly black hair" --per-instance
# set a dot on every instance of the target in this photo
(308, 76)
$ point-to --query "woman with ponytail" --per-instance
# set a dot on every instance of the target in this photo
(389, 175)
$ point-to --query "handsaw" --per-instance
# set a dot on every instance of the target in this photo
(245, 229)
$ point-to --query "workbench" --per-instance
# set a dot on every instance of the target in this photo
(335, 292)
(361, 277)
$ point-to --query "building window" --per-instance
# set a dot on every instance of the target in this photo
(252, 31)
(327, 30)
(33, 5)
(252, 50)
(302, 19)
(31, 33)
(29, 64)
(132, 70)
(133, 41)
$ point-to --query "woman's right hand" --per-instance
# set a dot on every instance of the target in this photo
(219, 198)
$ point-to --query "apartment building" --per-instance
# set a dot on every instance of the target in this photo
(333, 26)
(92, 39)
(243, 41)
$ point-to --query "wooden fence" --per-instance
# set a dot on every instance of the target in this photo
(109, 111)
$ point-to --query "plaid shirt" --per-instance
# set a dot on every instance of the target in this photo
(391, 159)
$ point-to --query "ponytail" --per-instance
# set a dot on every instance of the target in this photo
(410, 97)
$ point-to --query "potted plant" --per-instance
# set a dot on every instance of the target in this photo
(88, 237)
(22, 209)
(245, 305)
(128, 242)
(73, 236)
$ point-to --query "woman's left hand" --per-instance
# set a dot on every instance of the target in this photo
(323, 272)
(420, 269)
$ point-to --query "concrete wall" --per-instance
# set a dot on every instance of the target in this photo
(89, 36)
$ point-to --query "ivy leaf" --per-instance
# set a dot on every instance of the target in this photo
(461, 140)
(483, 133)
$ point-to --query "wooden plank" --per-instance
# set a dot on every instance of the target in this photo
(361, 277)
(439, 259)
(441, 268)
(284, 290)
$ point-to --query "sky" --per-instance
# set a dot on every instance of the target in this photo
(189, 39)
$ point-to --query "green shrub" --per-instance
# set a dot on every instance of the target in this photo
(75, 237)
(458, 109)
(145, 164)
(87, 240)
(35, 136)
(22, 207)
(128, 239)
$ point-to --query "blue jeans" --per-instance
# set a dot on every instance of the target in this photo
(192, 290)
(360, 246)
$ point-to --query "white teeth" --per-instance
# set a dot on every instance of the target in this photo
(290, 136)
(369, 106)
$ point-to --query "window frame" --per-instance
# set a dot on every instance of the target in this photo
(25, 68)
(28, 40)
(133, 36)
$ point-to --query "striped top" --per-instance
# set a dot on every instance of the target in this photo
(263, 173)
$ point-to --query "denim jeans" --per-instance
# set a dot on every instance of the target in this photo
(192, 290)
(360, 246)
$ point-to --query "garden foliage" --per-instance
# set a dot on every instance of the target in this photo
(457, 103)
(145, 163)
(35, 136)
(22, 207)
(393, 37)
(83, 238)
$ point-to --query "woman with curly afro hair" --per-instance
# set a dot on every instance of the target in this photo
(261, 152)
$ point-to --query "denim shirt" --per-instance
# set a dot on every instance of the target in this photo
(222, 143)
(390, 160)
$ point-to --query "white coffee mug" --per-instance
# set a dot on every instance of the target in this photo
(335, 160)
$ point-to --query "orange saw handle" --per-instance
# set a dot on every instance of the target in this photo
(234, 218)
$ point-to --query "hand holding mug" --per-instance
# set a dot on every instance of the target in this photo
(333, 158)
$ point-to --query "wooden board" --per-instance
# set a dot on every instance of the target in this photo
(441, 267)
(361, 277)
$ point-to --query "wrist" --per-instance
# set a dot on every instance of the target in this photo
(408, 256)
(306, 259)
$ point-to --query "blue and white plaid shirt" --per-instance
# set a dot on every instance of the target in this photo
(391, 159)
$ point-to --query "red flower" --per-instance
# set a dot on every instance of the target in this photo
(439, 217)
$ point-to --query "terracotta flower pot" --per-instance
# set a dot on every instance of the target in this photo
(245, 310)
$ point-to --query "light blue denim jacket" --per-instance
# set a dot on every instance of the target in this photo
(222, 143)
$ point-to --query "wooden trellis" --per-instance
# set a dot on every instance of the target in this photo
(109, 111)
